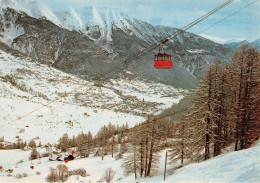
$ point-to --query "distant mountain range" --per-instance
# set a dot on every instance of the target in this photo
(90, 41)
(236, 44)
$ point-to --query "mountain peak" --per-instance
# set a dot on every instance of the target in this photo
(238, 40)
(256, 43)
(235, 44)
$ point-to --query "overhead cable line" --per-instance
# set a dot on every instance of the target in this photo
(170, 114)
(151, 48)
(164, 40)
(209, 27)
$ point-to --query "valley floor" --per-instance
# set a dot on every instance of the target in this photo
(40, 102)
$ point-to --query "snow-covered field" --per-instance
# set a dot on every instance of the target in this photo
(38, 101)
(233, 167)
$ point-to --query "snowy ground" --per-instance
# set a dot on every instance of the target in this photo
(240, 166)
(39, 101)
(50, 123)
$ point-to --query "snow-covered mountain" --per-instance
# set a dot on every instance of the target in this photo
(97, 23)
(234, 41)
(235, 44)
(89, 41)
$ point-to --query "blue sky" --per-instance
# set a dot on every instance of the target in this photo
(178, 13)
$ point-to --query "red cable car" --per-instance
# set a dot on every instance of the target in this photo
(162, 60)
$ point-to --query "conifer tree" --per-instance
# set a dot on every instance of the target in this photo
(199, 123)
(64, 143)
(144, 148)
(179, 151)
(84, 143)
(246, 62)
(230, 100)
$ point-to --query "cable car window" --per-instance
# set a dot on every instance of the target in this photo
(162, 60)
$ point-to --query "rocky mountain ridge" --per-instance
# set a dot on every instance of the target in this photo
(98, 47)
(235, 45)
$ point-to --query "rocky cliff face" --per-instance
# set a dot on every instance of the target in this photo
(90, 43)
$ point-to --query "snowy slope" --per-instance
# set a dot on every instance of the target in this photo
(40, 101)
(11, 30)
(241, 166)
